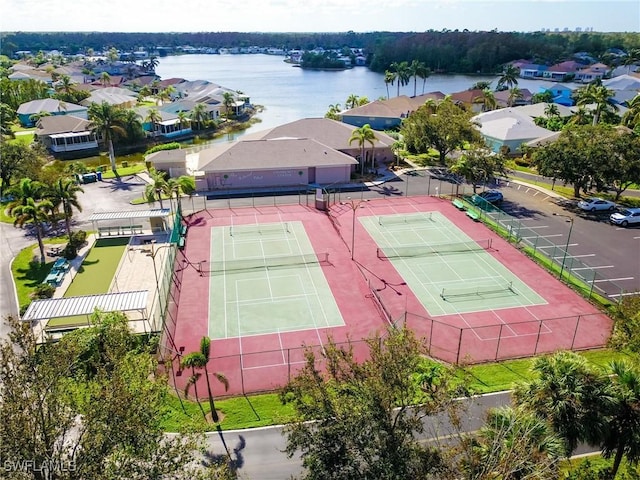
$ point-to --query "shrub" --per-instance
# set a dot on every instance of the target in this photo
(43, 290)
(78, 238)
(69, 252)
(166, 146)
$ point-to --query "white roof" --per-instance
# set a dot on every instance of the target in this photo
(623, 82)
(512, 129)
(86, 305)
(155, 212)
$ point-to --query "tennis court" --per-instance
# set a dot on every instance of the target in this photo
(446, 270)
(266, 278)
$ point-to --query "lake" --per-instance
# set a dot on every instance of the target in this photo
(290, 93)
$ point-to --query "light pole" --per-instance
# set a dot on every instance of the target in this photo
(566, 248)
(354, 205)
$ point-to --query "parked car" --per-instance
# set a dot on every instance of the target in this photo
(627, 216)
(491, 196)
(594, 204)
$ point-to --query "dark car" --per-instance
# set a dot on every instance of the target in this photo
(491, 196)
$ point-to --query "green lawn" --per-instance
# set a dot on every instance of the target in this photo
(266, 409)
(98, 268)
(124, 171)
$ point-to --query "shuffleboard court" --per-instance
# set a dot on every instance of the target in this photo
(447, 271)
(266, 278)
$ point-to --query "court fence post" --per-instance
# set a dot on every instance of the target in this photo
(535, 348)
(459, 346)
(431, 334)
(241, 373)
(288, 364)
(575, 332)
(498, 344)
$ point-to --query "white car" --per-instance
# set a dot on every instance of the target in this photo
(593, 204)
(627, 216)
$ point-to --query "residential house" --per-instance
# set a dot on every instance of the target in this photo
(561, 93)
(532, 71)
(29, 112)
(503, 98)
(283, 162)
(470, 99)
(29, 74)
(592, 73)
(508, 128)
(386, 114)
(67, 136)
(212, 110)
(168, 125)
(563, 71)
(116, 99)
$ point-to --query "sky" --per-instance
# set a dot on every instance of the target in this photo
(317, 15)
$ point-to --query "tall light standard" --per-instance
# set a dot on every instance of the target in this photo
(566, 248)
(354, 205)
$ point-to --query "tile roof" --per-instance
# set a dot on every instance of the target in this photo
(61, 124)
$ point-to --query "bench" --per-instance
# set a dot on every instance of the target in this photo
(458, 204)
(473, 215)
(181, 242)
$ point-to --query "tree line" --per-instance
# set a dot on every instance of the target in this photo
(441, 51)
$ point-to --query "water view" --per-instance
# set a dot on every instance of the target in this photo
(290, 93)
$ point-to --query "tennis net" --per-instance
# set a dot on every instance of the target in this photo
(260, 229)
(421, 250)
(477, 291)
(220, 266)
(400, 219)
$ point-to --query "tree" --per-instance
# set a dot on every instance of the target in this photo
(446, 130)
(7, 117)
(513, 444)
(389, 78)
(184, 184)
(359, 419)
(158, 187)
(509, 77)
(229, 102)
(199, 115)
(576, 157)
(107, 121)
(621, 168)
(481, 85)
(64, 192)
(599, 97)
(402, 72)
(363, 135)
(334, 112)
(132, 125)
(626, 329)
(154, 117)
(29, 208)
(487, 99)
(571, 395)
(515, 94)
(418, 69)
(623, 436)
(183, 119)
(631, 117)
(199, 360)
(478, 165)
(88, 406)
(105, 79)
(352, 101)
(18, 161)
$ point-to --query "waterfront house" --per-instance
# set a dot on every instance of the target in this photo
(532, 70)
(508, 127)
(29, 111)
(389, 113)
(115, 99)
(563, 71)
(503, 98)
(168, 124)
(561, 93)
(67, 136)
(592, 73)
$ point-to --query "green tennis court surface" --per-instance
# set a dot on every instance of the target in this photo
(266, 278)
(446, 270)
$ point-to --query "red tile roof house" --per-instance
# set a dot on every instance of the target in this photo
(592, 73)
(469, 98)
(562, 72)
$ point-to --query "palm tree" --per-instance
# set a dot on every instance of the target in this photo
(509, 77)
(35, 212)
(152, 63)
(132, 125)
(153, 117)
(157, 188)
(352, 101)
(105, 79)
(487, 99)
(570, 395)
(333, 112)
(363, 135)
(199, 114)
(144, 93)
(513, 444)
(107, 120)
(228, 101)
(515, 94)
(418, 69)
(580, 117)
(402, 74)
(389, 78)
(64, 193)
(631, 117)
(198, 360)
(552, 110)
(424, 72)
(183, 118)
(598, 95)
(182, 185)
(623, 436)
(65, 84)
